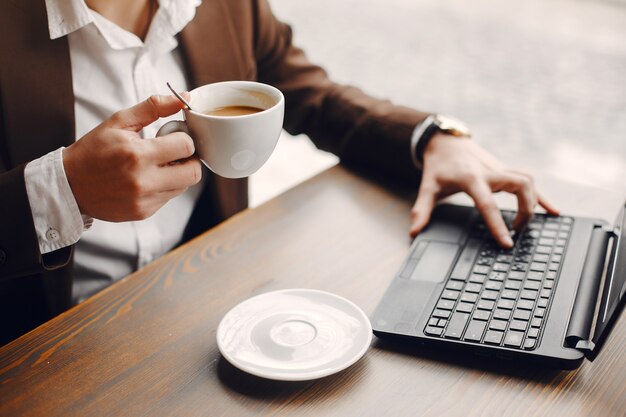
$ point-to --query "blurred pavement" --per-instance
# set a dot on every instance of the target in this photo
(542, 84)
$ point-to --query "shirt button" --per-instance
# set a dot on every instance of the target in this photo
(52, 235)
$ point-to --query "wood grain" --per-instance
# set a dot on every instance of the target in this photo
(146, 345)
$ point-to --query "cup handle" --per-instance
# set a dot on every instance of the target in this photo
(173, 126)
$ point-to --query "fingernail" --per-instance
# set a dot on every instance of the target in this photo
(507, 240)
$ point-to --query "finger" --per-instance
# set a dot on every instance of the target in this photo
(523, 187)
(546, 204)
(423, 208)
(141, 115)
(180, 175)
(486, 205)
(172, 147)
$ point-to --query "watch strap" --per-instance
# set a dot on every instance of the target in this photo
(420, 138)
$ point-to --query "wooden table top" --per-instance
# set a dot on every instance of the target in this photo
(147, 346)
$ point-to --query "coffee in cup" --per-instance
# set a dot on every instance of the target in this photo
(233, 111)
(235, 125)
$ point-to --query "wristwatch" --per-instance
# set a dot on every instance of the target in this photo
(427, 129)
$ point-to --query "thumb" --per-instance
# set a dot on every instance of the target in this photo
(422, 210)
(143, 114)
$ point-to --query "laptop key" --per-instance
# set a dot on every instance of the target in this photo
(543, 249)
(498, 325)
(455, 285)
(502, 314)
(443, 314)
(493, 285)
(482, 315)
(475, 331)
(506, 304)
(477, 279)
(450, 295)
(519, 266)
(518, 325)
(536, 322)
(501, 267)
(489, 295)
(513, 339)
(481, 269)
(512, 285)
(469, 297)
(538, 266)
(504, 258)
(433, 331)
(529, 344)
(497, 276)
(533, 332)
(509, 294)
(485, 305)
(532, 285)
(525, 304)
(546, 241)
(493, 337)
(522, 315)
(473, 287)
(433, 321)
(445, 305)
(465, 307)
(456, 325)
(528, 295)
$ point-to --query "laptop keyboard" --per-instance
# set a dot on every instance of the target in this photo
(501, 297)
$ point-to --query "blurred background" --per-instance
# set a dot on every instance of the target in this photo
(542, 84)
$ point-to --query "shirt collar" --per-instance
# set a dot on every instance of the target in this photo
(67, 16)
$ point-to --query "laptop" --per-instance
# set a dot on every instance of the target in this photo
(552, 299)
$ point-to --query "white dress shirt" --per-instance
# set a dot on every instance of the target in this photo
(112, 69)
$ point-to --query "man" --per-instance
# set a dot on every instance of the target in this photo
(88, 193)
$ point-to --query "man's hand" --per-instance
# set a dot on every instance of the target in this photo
(455, 164)
(117, 176)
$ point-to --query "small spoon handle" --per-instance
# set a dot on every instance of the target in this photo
(178, 96)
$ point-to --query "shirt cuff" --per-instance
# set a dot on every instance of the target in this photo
(418, 133)
(57, 218)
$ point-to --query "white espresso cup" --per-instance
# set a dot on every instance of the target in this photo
(232, 146)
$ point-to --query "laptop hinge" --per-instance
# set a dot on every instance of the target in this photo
(578, 334)
(585, 346)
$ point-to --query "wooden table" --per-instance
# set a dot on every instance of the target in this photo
(146, 345)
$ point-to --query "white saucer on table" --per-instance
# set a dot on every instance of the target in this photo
(294, 335)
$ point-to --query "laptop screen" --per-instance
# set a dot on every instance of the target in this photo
(613, 299)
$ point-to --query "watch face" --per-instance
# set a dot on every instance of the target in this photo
(452, 126)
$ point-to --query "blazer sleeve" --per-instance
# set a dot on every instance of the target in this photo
(360, 129)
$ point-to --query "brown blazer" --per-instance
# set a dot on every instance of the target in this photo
(227, 40)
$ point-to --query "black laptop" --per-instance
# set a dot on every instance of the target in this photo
(552, 299)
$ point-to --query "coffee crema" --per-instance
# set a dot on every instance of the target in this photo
(233, 111)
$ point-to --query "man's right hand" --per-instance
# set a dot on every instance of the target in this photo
(117, 176)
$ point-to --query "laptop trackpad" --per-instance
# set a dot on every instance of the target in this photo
(435, 261)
